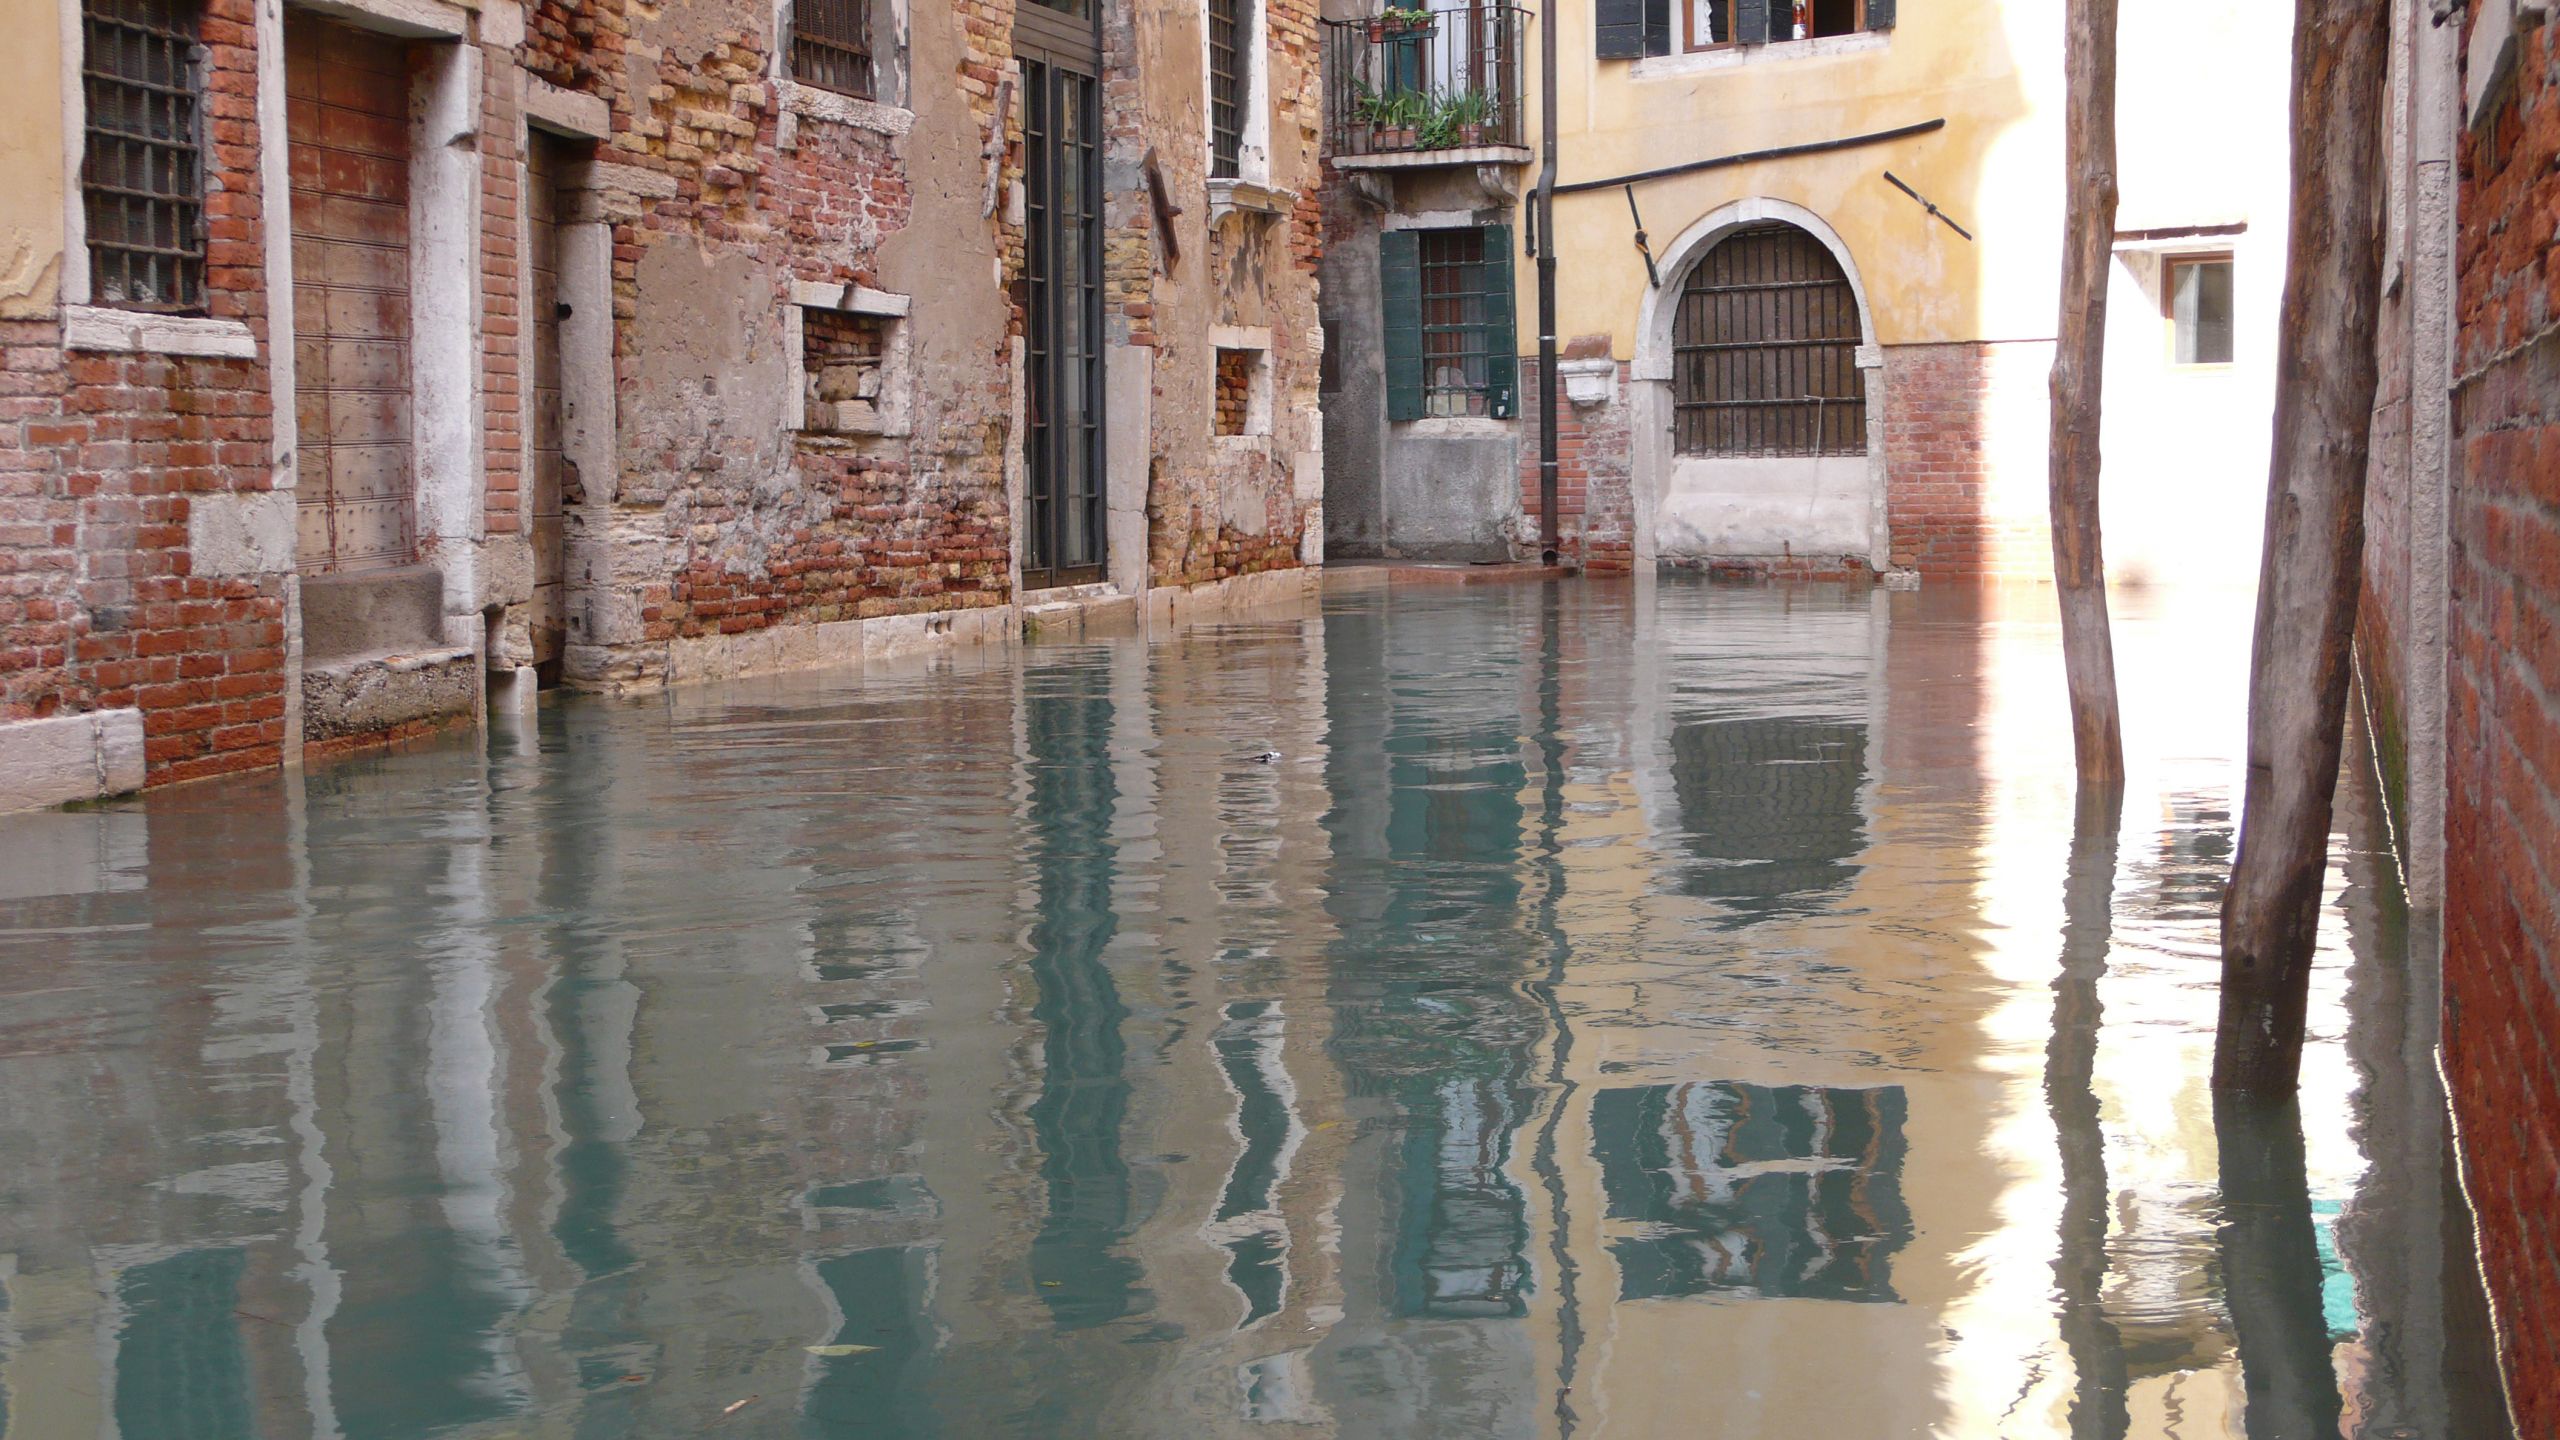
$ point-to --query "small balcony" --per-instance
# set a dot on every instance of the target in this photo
(1425, 87)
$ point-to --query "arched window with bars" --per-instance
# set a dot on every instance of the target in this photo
(1764, 350)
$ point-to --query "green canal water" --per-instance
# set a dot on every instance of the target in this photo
(1637, 1010)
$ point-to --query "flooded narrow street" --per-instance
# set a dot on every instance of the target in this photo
(1636, 1010)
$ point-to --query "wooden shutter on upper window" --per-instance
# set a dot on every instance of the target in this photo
(1400, 311)
(1619, 29)
(1502, 350)
(1751, 22)
(1657, 27)
(1879, 14)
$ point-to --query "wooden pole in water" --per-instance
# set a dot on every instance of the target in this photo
(2079, 374)
(2311, 570)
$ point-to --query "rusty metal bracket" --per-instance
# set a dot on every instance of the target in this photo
(1644, 247)
(1927, 204)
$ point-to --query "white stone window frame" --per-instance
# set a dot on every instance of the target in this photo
(895, 404)
(886, 113)
(1254, 340)
(109, 328)
(1253, 148)
(1683, 64)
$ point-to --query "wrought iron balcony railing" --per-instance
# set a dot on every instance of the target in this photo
(1411, 81)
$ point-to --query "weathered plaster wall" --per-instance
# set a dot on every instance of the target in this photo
(31, 168)
(1431, 489)
(1218, 507)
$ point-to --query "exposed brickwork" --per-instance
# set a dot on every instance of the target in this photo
(1941, 493)
(1235, 384)
(102, 457)
(1595, 502)
(2502, 801)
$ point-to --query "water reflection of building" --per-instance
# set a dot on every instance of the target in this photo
(1752, 1189)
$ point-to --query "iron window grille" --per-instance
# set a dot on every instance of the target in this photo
(142, 179)
(1229, 27)
(1457, 298)
(1764, 350)
(831, 46)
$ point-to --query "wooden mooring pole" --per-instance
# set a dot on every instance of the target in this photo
(2312, 567)
(2079, 378)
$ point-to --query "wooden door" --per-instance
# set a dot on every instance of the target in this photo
(347, 142)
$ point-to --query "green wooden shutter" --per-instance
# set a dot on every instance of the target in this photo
(1502, 348)
(1618, 29)
(1400, 301)
(1879, 14)
(1751, 22)
(1657, 27)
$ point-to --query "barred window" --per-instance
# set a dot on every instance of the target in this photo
(1229, 22)
(1764, 350)
(1448, 340)
(831, 45)
(142, 182)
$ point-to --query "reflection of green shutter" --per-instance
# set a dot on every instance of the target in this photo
(1400, 298)
(1502, 351)
(1879, 14)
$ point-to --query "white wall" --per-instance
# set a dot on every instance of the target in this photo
(2201, 140)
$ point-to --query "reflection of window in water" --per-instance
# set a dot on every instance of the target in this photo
(1248, 1224)
(1770, 808)
(867, 1378)
(1462, 1224)
(180, 1366)
(1765, 1190)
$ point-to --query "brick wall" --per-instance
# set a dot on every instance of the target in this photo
(1953, 508)
(2502, 803)
(1595, 502)
(103, 457)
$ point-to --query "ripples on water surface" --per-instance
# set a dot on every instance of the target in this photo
(1617, 1011)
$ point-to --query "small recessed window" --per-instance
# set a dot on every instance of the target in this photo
(831, 46)
(142, 179)
(2199, 294)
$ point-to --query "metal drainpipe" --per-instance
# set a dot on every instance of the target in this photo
(1546, 218)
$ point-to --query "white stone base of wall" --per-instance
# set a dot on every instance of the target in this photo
(1080, 612)
(64, 758)
(1171, 607)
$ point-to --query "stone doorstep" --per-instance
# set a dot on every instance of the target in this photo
(65, 758)
(363, 694)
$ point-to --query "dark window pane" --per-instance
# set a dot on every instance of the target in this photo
(831, 45)
(142, 180)
(2200, 300)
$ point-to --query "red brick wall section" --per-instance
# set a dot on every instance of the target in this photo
(1595, 502)
(2502, 842)
(501, 235)
(101, 456)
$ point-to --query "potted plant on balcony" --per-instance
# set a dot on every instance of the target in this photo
(1469, 114)
(1395, 21)
(1401, 117)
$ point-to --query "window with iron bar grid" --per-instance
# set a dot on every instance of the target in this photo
(1228, 24)
(1457, 296)
(1765, 351)
(142, 178)
(831, 46)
